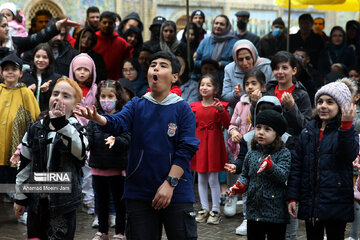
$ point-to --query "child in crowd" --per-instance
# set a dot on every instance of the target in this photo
(158, 188)
(264, 175)
(16, 19)
(354, 73)
(291, 94)
(254, 84)
(56, 143)
(321, 177)
(41, 77)
(18, 109)
(211, 116)
(83, 71)
(355, 225)
(108, 160)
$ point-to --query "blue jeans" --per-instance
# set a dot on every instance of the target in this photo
(145, 223)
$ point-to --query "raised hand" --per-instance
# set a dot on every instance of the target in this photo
(57, 110)
(287, 100)
(238, 90)
(265, 164)
(45, 86)
(66, 23)
(348, 112)
(218, 105)
(231, 168)
(255, 96)
(110, 141)
(90, 114)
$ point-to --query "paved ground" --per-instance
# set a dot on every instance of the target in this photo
(10, 229)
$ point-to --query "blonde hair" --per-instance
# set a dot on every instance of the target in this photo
(74, 85)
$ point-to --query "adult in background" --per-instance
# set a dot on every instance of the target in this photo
(319, 26)
(134, 38)
(275, 40)
(336, 52)
(63, 52)
(307, 39)
(193, 41)
(197, 17)
(42, 18)
(353, 36)
(218, 46)
(113, 48)
(85, 43)
(130, 20)
(242, 18)
(246, 58)
(92, 18)
(155, 33)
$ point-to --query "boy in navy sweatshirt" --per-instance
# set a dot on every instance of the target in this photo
(158, 185)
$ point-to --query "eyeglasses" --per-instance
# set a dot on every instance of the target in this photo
(128, 69)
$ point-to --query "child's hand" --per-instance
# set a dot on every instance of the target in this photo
(90, 114)
(32, 87)
(58, 110)
(237, 188)
(348, 112)
(110, 140)
(238, 90)
(265, 164)
(356, 163)
(19, 210)
(287, 100)
(231, 168)
(255, 96)
(235, 136)
(45, 86)
(218, 105)
(292, 209)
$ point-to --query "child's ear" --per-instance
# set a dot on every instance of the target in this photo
(294, 71)
(21, 73)
(175, 78)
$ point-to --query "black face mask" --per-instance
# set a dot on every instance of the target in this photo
(241, 25)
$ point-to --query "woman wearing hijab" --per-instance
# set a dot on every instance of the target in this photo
(246, 58)
(193, 38)
(218, 46)
(336, 52)
(134, 38)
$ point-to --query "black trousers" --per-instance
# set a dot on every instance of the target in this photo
(102, 185)
(41, 224)
(145, 223)
(260, 230)
(335, 230)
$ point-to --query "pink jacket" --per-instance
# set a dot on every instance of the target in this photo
(241, 121)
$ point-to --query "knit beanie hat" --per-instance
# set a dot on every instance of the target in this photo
(82, 60)
(9, 5)
(339, 91)
(273, 119)
(278, 21)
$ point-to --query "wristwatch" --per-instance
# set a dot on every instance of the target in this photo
(173, 181)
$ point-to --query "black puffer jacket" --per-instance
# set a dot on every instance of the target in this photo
(100, 155)
(300, 114)
(324, 190)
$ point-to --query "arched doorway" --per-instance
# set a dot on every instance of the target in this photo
(181, 23)
(34, 6)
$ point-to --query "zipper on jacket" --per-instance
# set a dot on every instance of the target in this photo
(141, 156)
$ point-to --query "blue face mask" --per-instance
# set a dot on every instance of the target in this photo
(277, 32)
(108, 105)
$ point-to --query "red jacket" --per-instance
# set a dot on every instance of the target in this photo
(71, 40)
(114, 50)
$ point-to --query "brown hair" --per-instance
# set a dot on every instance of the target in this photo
(74, 85)
(273, 147)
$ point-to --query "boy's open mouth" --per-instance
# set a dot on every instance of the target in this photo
(54, 105)
(155, 78)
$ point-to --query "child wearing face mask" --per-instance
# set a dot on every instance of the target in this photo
(108, 160)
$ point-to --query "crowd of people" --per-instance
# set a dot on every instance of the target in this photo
(136, 121)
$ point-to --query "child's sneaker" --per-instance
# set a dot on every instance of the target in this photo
(214, 218)
(242, 229)
(101, 236)
(230, 206)
(112, 222)
(119, 237)
(202, 216)
(95, 223)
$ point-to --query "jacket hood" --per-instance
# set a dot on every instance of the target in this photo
(128, 85)
(134, 16)
(136, 31)
(172, 98)
(268, 99)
